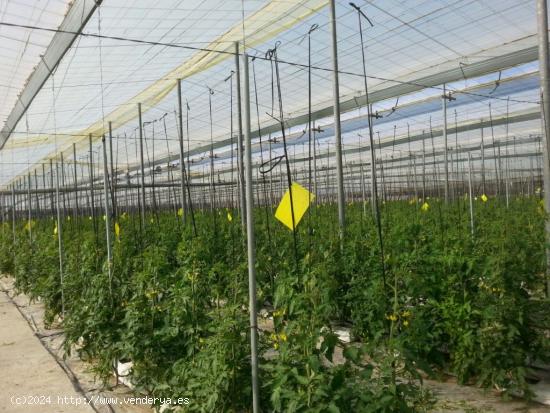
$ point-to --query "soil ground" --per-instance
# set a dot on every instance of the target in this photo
(31, 380)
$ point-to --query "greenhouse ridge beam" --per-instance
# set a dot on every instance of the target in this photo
(397, 163)
(464, 161)
(78, 15)
(518, 117)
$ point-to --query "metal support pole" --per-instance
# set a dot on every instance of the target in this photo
(63, 184)
(13, 215)
(91, 172)
(544, 71)
(51, 186)
(36, 198)
(107, 215)
(251, 245)
(240, 139)
(17, 200)
(75, 182)
(495, 158)
(482, 160)
(59, 238)
(44, 186)
(470, 193)
(423, 169)
(373, 168)
(314, 164)
(86, 192)
(182, 158)
(337, 129)
(212, 192)
(444, 98)
(507, 177)
(414, 180)
(532, 178)
(29, 200)
(113, 180)
(142, 167)
(3, 207)
(363, 189)
(499, 170)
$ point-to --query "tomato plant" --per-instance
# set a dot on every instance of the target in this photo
(175, 303)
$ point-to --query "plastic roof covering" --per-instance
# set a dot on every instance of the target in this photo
(415, 116)
(409, 39)
(21, 48)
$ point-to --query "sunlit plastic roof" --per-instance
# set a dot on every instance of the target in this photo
(21, 48)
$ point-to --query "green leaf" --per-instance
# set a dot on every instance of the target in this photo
(352, 353)
(330, 340)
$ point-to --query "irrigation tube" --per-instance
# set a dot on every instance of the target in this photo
(250, 243)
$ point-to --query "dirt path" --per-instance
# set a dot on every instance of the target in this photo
(454, 398)
(28, 318)
(30, 378)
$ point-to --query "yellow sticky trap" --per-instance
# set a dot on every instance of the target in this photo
(29, 225)
(55, 230)
(180, 212)
(229, 216)
(425, 207)
(484, 198)
(117, 229)
(301, 198)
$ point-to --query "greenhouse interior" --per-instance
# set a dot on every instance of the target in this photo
(274, 206)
